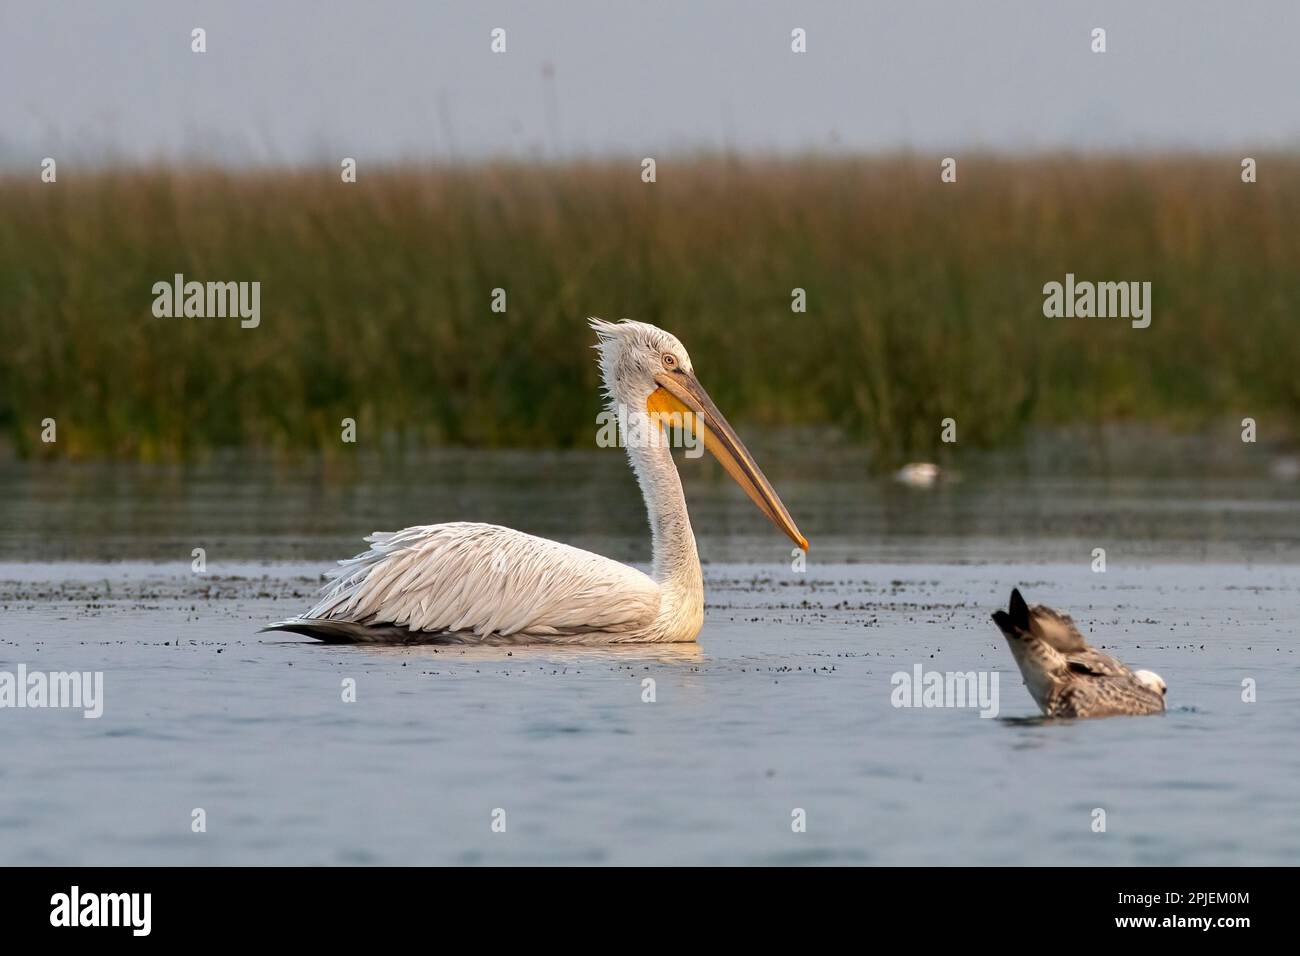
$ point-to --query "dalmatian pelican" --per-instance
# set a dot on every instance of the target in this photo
(1065, 676)
(476, 583)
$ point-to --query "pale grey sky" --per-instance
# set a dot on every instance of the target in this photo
(295, 80)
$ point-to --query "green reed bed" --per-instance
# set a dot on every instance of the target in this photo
(924, 299)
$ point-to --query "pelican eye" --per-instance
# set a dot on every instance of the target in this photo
(670, 361)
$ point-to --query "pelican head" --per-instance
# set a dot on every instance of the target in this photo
(647, 370)
(1153, 680)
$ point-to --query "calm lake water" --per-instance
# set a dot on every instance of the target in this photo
(784, 705)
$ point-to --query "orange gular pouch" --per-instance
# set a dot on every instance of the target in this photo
(668, 413)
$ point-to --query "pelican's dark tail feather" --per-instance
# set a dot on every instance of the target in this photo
(343, 632)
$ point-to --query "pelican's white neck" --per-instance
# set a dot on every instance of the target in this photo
(676, 560)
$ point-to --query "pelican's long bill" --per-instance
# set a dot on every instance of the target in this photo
(680, 391)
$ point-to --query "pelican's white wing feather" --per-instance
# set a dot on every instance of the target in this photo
(485, 579)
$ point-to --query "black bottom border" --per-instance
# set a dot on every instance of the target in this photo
(376, 904)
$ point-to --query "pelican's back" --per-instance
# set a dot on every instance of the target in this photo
(475, 582)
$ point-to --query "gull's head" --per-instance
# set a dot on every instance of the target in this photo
(646, 370)
(1153, 680)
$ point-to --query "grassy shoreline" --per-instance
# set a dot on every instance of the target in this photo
(924, 299)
